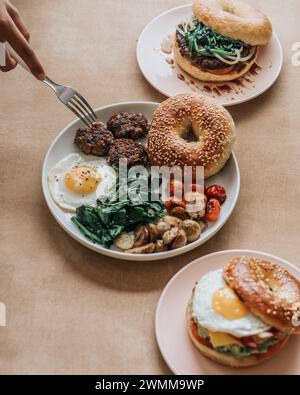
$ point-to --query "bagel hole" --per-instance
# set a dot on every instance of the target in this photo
(190, 135)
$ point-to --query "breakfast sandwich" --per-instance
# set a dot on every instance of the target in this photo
(244, 314)
(220, 41)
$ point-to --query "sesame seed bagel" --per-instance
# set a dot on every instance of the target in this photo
(270, 292)
(234, 19)
(212, 126)
(222, 358)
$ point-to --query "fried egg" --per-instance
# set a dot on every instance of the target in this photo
(78, 180)
(217, 308)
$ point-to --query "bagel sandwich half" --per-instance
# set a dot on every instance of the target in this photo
(220, 41)
(241, 331)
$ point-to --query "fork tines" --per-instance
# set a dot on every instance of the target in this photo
(82, 109)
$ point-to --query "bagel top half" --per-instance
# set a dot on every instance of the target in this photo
(270, 291)
(221, 40)
(234, 19)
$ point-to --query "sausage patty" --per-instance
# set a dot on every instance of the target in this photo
(128, 125)
(134, 152)
(95, 140)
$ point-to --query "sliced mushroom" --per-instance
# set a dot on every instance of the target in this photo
(125, 241)
(169, 236)
(141, 236)
(162, 227)
(159, 246)
(197, 215)
(172, 221)
(192, 230)
(204, 225)
(180, 240)
(153, 232)
(145, 249)
(179, 212)
(196, 204)
(192, 197)
(174, 202)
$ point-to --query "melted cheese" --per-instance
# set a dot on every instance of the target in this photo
(219, 339)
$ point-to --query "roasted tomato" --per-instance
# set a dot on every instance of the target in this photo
(213, 210)
(216, 192)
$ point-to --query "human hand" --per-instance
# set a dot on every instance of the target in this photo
(14, 31)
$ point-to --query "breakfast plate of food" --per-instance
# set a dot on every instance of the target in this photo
(228, 310)
(84, 186)
(224, 49)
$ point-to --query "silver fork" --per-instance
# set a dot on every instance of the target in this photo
(74, 101)
(67, 95)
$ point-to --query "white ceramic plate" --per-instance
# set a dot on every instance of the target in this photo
(163, 74)
(63, 145)
(174, 342)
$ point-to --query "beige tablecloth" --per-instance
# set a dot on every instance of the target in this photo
(70, 310)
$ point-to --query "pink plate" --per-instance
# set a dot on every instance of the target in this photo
(160, 70)
(173, 340)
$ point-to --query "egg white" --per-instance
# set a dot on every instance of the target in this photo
(68, 200)
(207, 317)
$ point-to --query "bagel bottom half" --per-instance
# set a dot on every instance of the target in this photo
(225, 359)
(201, 75)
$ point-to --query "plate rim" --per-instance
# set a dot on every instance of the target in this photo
(119, 254)
(186, 267)
(229, 104)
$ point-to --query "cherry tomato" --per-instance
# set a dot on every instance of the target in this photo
(176, 188)
(216, 192)
(213, 209)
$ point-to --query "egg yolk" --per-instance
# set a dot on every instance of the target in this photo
(82, 180)
(226, 303)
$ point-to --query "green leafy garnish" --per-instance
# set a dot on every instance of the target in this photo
(244, 352)
(264, 346)
(203, 332)
(235, 350)
(104, 223)
(202, 40)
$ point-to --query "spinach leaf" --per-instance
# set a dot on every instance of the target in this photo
(264, 346)
(235, 350)
(104, 223)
